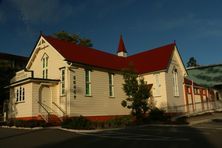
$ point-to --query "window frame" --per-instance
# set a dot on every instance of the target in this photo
(45, 59)
(157, 79)
(88, 83)
(188, 89)
(111, 85)
(175, 83)
(20, 95)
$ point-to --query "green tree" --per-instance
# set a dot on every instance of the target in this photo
(192, 62)
(73, 38)
(138, 93)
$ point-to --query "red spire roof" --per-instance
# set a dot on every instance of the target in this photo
(144, 62)
(121, 47)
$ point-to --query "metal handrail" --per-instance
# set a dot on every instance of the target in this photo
(194, 108)
(59, 108)
(45, 118)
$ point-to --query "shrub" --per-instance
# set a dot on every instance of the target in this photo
(77, 123)
(83, 123)
(26, 123)
(30, 123)
(3, 123)
(116, 122)
(157, 115)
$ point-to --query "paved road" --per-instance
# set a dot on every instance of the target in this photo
(201, 135)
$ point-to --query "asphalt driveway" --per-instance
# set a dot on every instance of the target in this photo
(202, 135)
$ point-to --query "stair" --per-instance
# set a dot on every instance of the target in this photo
(54, 120)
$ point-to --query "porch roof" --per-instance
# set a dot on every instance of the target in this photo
(35, 80)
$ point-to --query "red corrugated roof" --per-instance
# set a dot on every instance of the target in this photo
(152, 60)
(148, 61)
(86, 55)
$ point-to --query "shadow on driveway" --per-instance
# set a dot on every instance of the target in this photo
(158, 137)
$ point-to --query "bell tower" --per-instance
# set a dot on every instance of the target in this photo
(121, 48)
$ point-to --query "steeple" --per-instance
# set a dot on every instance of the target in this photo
(121, 48)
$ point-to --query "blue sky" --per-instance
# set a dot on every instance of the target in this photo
(145, 24)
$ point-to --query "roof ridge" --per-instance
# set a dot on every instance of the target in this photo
(91, 48)
(94, 57)
(150, 50)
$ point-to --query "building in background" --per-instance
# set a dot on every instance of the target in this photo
(9, 64)
(203, 88)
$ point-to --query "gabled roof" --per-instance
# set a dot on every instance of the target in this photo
(86, 55)
(121, 47)
(149, 61)
(152, 60)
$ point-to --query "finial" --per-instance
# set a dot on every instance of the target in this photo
(174, 41)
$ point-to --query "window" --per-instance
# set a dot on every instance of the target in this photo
(20, 94)
(62, 91)
(157, 84)
(23, 94)
(175, 82)
(188, 89)
(45, 66)
(17, 95)
(74, 86)
(196, 91)
(88, 82)
(204, 92)
(111, 85)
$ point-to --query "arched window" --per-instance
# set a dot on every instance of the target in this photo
(175, 82)
(45, 59)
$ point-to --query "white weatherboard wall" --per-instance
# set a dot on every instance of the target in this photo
(99, 103)
(176, 62)
(158, 90)
(55, 61)
(24, 108)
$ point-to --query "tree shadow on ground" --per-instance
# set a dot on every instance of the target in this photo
(150, 136)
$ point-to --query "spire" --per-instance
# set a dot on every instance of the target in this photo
(121, 48)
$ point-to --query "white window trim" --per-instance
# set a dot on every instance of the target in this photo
(45, 60)
(111, 85)
(175, 83)
(157, 78)
(20, 95)
(88, 83)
